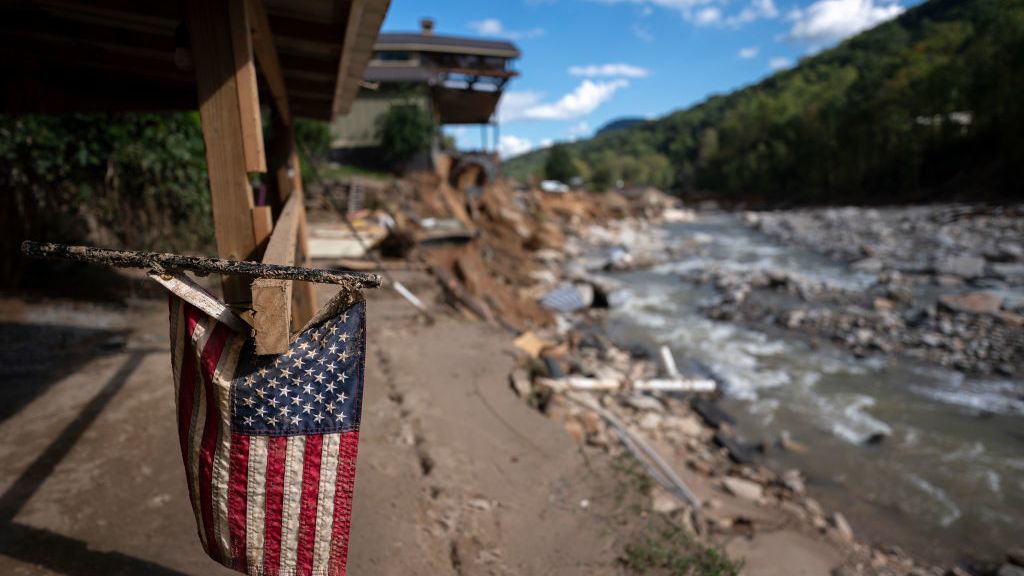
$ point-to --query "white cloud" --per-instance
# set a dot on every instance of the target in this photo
(756, 10)
(514, 104)
(546, 143)
(779, 63)
(828, 21)
(510, 145)
(642, 32)
(705, 12)
(583, 100)
(619, 69)
(494, 27)
(748, 53)
(707, 16)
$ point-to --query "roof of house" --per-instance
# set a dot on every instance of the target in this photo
(417, 41)
(119, 55)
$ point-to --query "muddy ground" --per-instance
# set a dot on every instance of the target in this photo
(456, 474)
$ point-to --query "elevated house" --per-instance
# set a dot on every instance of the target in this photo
(457, 80)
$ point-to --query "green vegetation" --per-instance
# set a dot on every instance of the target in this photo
(669, 549)
(924, 106)
(659, 543)
(135, 180)
(114, 180)
(559, 164)
(405, 130)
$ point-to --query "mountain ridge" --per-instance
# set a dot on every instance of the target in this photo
(924, 106)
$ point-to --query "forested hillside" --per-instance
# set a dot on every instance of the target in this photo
(925, 106)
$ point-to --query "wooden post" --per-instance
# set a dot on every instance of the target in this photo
(248, 90)
(263, 224)
(214, 27)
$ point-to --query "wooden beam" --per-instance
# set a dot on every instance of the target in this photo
(304, 293)
(272, 299)
(248, 89)
(211, 31)
(266, 56)
(355, 17)
(263, 225)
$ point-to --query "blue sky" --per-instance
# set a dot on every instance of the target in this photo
(586, 62)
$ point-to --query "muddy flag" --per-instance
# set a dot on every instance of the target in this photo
(269, 442)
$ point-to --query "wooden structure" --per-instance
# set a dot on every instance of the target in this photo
(458, 80)
(237, 62)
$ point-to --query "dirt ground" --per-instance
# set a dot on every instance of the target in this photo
(455, 476)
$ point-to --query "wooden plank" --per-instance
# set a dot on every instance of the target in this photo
(248, 90)
(217, 85)
(281, 182)
(266, 57)
(355, 18)
(304, 293)
(272, 299)
(194, 294)
(263, 225)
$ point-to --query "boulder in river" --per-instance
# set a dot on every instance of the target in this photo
(962, 265)
(743, 488)
(972, 302)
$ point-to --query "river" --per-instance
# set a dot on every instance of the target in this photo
(947, 481)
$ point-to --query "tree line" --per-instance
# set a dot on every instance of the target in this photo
(926, 106)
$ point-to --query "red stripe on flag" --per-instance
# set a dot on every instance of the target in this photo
(211, 355)
(307, 506)
(346, 484)
(238, 482)
(187, 388)
(276, 451)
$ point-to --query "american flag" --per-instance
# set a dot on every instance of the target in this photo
(269, 442)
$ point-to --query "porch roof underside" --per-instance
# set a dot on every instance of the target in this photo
(119, 55)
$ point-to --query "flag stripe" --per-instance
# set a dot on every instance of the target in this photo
(292, 497)
(211, 353)
(186, 400)
(343, 500)
(221, 386)
(325, 502)
(238, 484)
(272, 493)
(308, 504)
(255, 502)
(178, 350)
(275, 498)
(199, 333)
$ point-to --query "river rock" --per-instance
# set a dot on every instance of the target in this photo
(838, 521)
(687, 425)
(649, 421)
(793, 480)
(743, 488)
(645, 403)
(575, 429)
(520, 382)
(870, 265)
(1015, 556)
(962, 265)
(1010, 570)
(972, 302)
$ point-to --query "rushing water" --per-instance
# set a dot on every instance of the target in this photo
(949, 478)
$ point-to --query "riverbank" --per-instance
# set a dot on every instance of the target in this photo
(870, 428)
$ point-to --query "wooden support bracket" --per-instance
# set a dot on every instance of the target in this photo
(272, 298)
